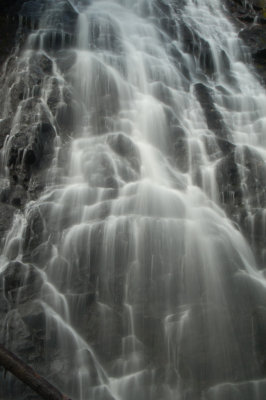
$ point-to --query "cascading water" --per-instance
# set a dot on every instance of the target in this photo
(124, 278)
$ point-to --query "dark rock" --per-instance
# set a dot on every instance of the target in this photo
(43, 145)
(245, 390)
(37, 183)
(210, 346)
(260, 56)
(214, 118)
(52, 41)
(32, 146)
(18, 195)
(199, 48)
(99, 171)
(41, 254)
(5, 126)
(104, 34)
(35, 231)
(6, 218)
(162, 93)
(17, 144)
(253, 224)
(17, 93)
(68, 112)
(43, 61)
(179, 147)
(65, 60)
(32, 9)
(166, 18)
(124, 146)
(33, 316)
(229, 183)
(66, 119)
(9, 25)
(249, 16)
(19, 338)
(255, 37)
(259, 319)
(21, 282)
(255, 177)
(54, 96)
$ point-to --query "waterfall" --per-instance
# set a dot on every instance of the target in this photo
(135, 264)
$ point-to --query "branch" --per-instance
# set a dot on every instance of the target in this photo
(28, 376)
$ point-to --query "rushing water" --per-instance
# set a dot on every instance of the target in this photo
(133, 283)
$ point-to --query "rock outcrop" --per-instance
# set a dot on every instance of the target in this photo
(250, 17)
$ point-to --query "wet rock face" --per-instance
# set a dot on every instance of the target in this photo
(9, 22)
(214, 118)
(28, 125)
(6, 217)
(250, 16)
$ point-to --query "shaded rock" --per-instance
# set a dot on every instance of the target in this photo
(6, 217)
(100, 172)
(199, 48)
(17, 93)
(259, 319)
(17, 144)
(35, 230)
(21, 282)
(66, 118)
(255, 176)
(18, 195)
(52, 41)
(163, 11)
(254, 36)
(249, 16)
(19, 337)
(213, 117)
(41, 254)
(32, 145)
(33, 315)
(125, 147)
(65, 60)
(229, 182)
(162, 93)
(210, 347)
(32, 9)
(180, 147)
(104, 34)
(54, 96)
(42, 61)
(245, 390)
(37, 183)
(5, 125)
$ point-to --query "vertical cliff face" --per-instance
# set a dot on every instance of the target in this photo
(133, 161)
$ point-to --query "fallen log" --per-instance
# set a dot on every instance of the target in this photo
(28, 376)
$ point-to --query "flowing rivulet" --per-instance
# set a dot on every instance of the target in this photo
(135, 266)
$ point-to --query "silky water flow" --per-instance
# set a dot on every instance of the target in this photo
(126, 278)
